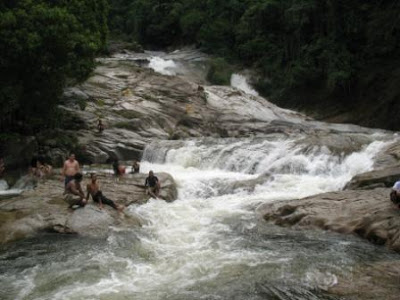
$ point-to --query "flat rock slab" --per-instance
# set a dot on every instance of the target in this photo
(43, 209)
(367, 213)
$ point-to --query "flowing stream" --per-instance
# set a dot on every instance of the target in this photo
(210, 243)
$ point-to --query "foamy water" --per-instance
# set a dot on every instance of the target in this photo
(208, 244)
(163, 66)
(240, 82)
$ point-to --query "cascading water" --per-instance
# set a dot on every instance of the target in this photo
(208, 244)
(240, 82)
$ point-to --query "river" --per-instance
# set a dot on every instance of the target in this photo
(210, 243)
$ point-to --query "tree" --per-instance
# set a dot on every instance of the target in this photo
(44, 43)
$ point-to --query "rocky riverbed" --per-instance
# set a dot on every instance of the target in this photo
(224, 147)
(362, 208)
(43, 208)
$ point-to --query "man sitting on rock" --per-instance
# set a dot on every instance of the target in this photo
(73, 193)
(395, 194)
(93, 189)
(152, 185)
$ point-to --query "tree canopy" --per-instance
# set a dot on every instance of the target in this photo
(339, 52)
(44, 44)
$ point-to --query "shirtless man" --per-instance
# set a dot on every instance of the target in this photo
(93, 189)
(70, 168)
(73, 193)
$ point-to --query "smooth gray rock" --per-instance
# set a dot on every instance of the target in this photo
(367, 213)
(43, 209)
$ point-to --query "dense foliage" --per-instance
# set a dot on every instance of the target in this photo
(331, 54)
(44, 44)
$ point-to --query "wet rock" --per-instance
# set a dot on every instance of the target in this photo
(367, 213)
(43, 208)
(138, 105)
(363, 278)
(377, 178)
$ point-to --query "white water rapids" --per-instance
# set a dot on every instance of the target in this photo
(208, 244)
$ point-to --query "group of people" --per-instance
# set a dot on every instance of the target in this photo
(120, 170)
(39, 167)
(75, 196)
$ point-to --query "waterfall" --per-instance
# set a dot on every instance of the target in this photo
(240, 82)
(209, 243)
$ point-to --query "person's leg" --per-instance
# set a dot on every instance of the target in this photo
(107, 201)
(96, 197)
(68, 179)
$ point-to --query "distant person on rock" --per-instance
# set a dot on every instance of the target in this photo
(33, 168)
(100, 126)
(73, 193)
(135, 167)
(395, 194)
(119, 170)
(152, 185)
(70, 168)
(43, 169)
(93, 189)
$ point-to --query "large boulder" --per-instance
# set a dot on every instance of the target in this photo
(376, 178)
(367, 213)
(43, 208)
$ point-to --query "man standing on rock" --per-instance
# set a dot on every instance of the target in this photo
(70, 168)
(73, 193)
(152, 185)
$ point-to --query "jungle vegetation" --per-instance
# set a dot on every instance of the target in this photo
(323, 56)
(319, 56)
(43, 46)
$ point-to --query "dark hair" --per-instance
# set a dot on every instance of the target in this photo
(78, 176)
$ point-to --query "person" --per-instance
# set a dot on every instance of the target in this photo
(152, 185)
(70, 168)
(119, 169)
(33, 166)
(2, 167)
(395, 194)
(93, 189)
(135, 167)
(42, 169)
(73, 193)
(100, 126)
